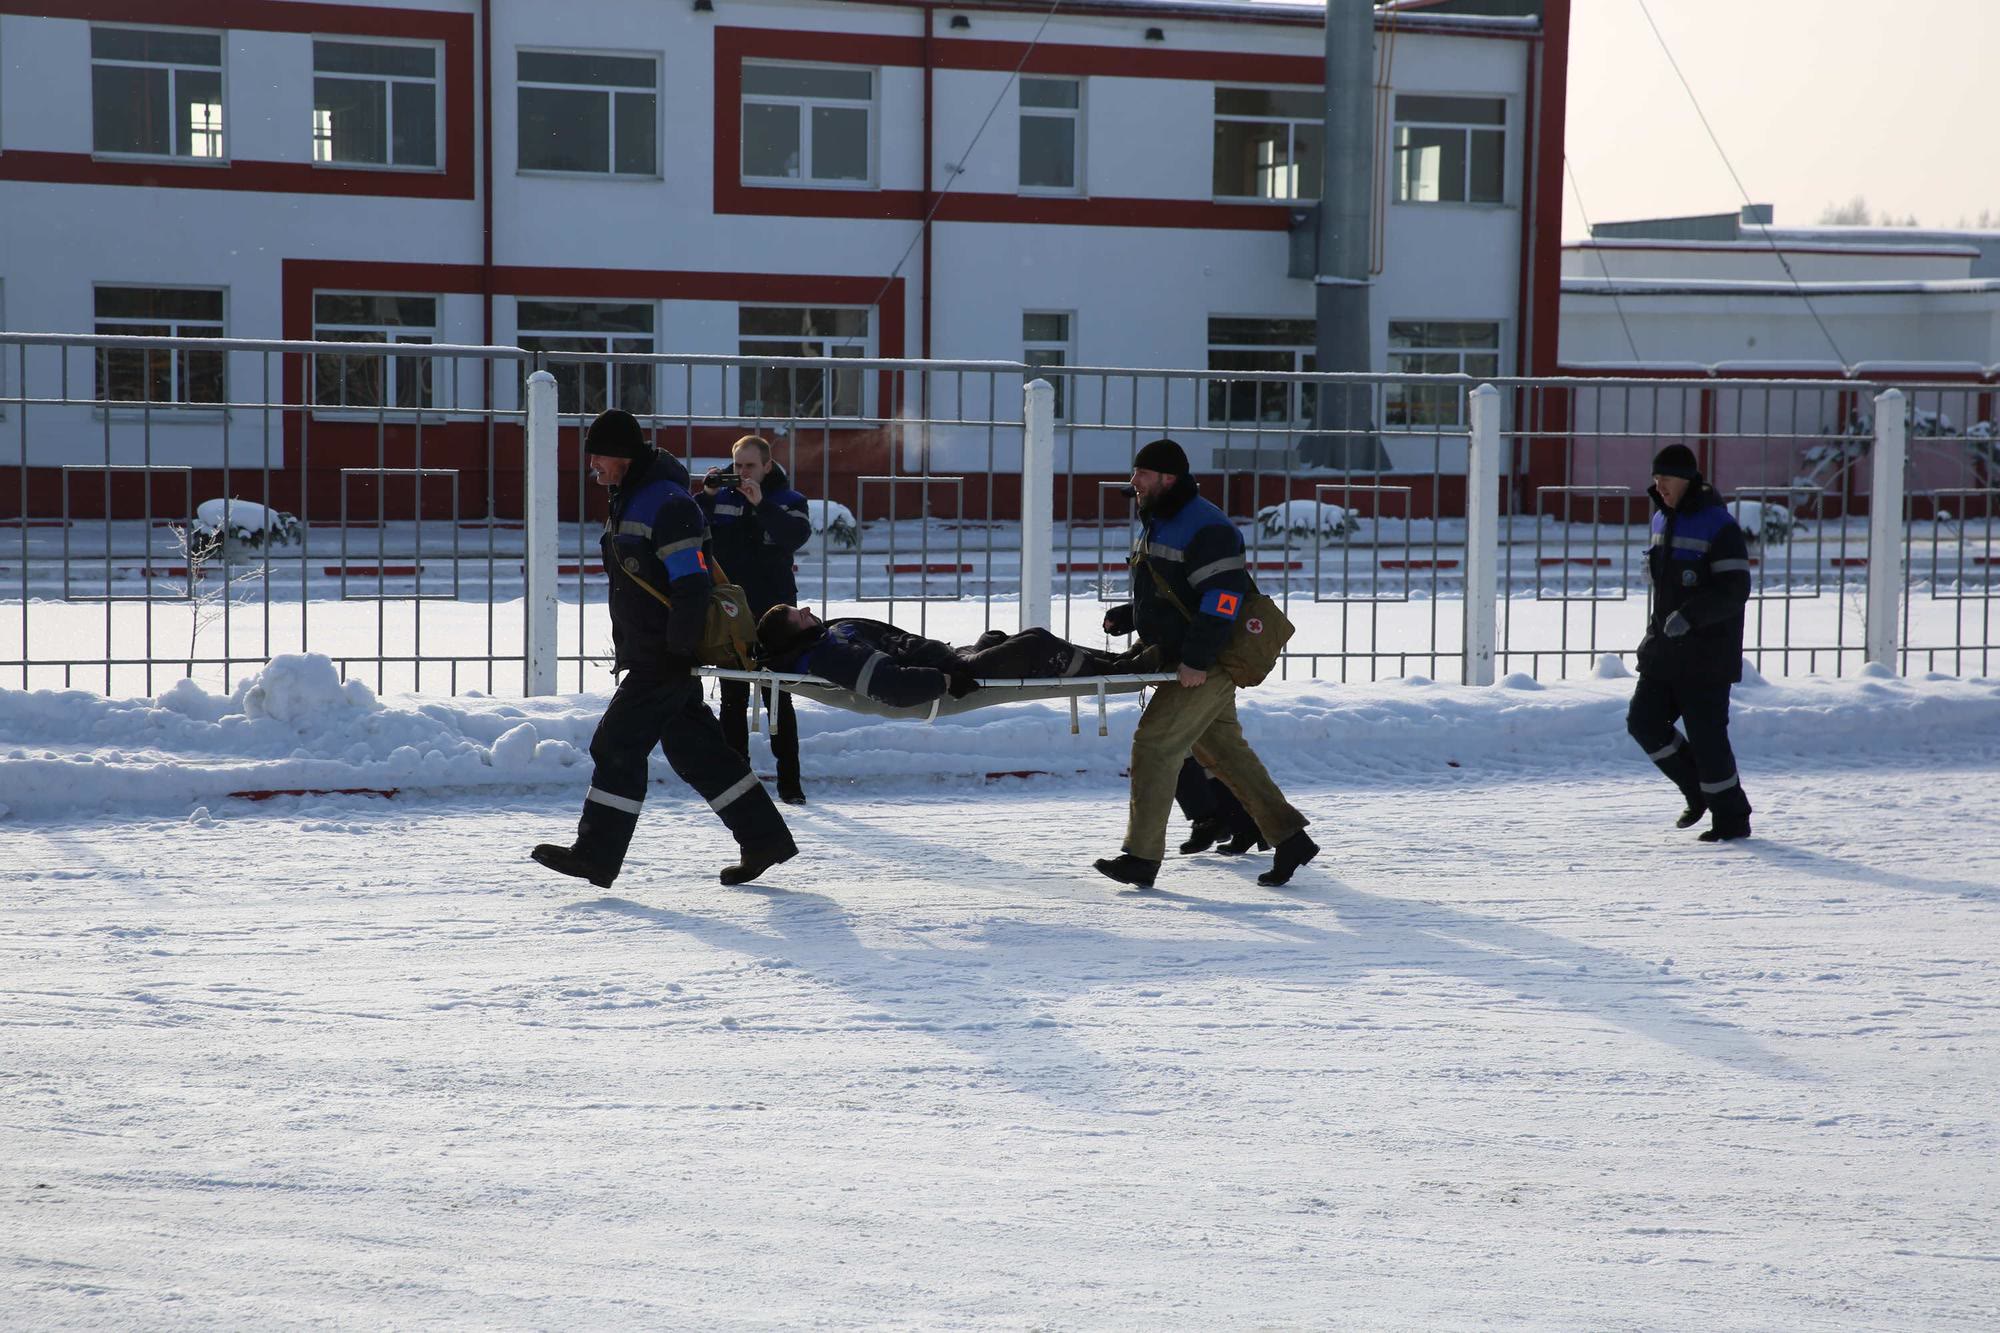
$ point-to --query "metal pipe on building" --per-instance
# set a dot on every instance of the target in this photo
(1347, 178)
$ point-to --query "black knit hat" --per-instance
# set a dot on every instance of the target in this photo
(1676, 460)
(1163, 455)
(616, 434)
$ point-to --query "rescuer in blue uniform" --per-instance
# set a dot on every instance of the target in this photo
(756, 525)
(654, 541)
(1189, 584)
(1693, 649)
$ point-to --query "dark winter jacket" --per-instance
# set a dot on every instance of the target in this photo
(654, 531)
(870, 657)
(1189, 548)
(755, 544)
(1700, 571)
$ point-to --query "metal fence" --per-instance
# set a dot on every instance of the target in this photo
(393, 506)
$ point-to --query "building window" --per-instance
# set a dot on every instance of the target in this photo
(1051, 117)
(1437, 347)
(594, 328)
(589, 113)
(808, 122)
(1046, 335)
(801, 391)
(159, 374)
(370, 380)
(375, 105)
(1268, 143)
(1236, 345)
(156, 92)
(1451, 150)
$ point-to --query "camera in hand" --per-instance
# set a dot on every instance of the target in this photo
(721, 479)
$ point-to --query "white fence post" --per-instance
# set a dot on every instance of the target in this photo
(1482, 536)
(538, 603)
(1885, 528)
(1038, 502)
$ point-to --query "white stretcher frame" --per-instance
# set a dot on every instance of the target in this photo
(989, 693)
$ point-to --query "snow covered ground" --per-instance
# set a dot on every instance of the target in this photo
(1513, 1051)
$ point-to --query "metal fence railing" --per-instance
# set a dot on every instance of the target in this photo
(375, 502)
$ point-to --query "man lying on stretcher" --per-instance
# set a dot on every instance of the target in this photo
(902, 670)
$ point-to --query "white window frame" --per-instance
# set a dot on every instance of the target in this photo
(436, 82)
(609, 92)
(1397, 176)
(804, 105)
(1460, 353)
(1074, 115)
(1298, 395)
(165, 328)
(1291, 138)
(221, 71)
(394, 367)
(606, 338)
(746, 344)
(1064, 350)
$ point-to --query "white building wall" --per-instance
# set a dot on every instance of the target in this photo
(1141, 295)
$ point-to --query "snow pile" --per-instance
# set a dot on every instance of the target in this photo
(304, 692)
(1309, 522)
(296, 727)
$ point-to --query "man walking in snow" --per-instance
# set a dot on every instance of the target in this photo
(660, 580)
(1189, 584)
(1693, 649)
(756, 524)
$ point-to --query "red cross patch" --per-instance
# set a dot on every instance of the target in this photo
(1254, 625)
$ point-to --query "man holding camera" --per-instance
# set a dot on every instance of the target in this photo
(756, 524)
(653, 554)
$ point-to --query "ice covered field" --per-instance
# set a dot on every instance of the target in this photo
(1512, 1052)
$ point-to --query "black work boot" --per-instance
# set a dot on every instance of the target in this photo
(1292, 853)
(790, 790)
(752, 862)
(1129, 869)
(1204, 834)
(568, 861)
(1692, 815)
(1242, 842)
(1726, 832)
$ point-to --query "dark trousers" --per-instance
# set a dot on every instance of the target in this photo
(1033, 654)
(780, 722)
(666, 710)
(1700, 763)
(1201, 796)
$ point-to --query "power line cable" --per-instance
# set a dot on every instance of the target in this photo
(1609, 287)
(1712, 138)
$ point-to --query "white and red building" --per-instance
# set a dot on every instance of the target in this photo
(736, 177)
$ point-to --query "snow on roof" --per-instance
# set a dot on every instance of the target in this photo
(1598, 286)
(1287, 11)
(1759, 246)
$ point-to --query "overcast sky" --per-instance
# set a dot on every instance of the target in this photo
(1815, 101)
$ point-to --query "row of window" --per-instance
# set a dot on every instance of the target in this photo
(377, 104)
(604, 328)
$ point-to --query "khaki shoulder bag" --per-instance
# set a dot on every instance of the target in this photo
(1257, 640)
(728, 633)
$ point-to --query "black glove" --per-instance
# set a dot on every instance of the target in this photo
(960, 683)
(1677, 625)
(711, 480)
(1118, 620)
